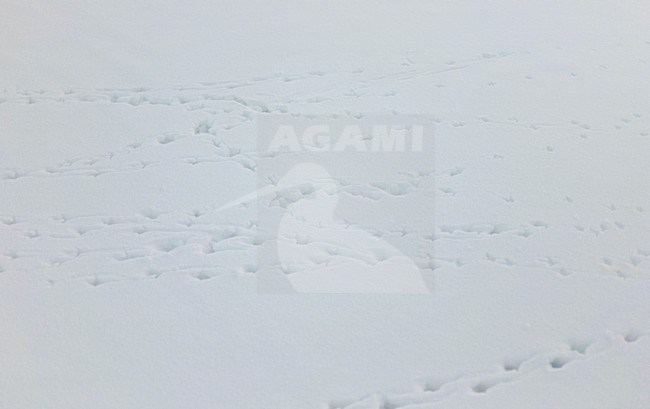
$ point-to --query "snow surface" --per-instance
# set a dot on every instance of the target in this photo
(125, 127)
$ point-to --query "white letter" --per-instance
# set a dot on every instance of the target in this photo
(351, 136)
(316, 138)
(390, 141)
(285, 137)
(417, 132)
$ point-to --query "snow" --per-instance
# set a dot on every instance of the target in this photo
(132, 250)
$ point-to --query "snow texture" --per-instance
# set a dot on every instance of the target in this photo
(128, 281)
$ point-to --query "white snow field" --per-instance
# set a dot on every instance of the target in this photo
(126, 280)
